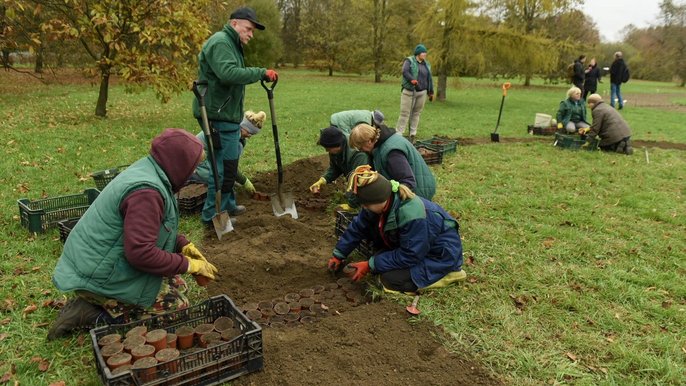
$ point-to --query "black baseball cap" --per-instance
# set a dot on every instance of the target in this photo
(247, 13)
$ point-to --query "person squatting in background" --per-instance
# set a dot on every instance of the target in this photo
(221, 64)
(395, 158)
(571, 114)
(250, 125)
(124, 255)
(609, 126)
(417, 86)
(417, 243)
(343, 160)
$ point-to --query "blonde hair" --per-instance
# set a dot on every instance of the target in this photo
(364, 175)
(256, 118)
(573, 91)
(363, 133)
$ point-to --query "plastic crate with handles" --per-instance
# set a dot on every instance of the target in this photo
(430, 153)
(191, 197)
(575, 142)
(343, 219)
(65, 227)
(39, 215)
(218, 363)
(103, 177)
(442, 144)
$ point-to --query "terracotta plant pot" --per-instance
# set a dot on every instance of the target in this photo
(167, 358)
(249, 307)
(157, 338)
(109, 339)
(294, 307)
(121, 370)
(343, 281)
(142, 351)
(307, 319)
(306, 293)
(265, 305)
(208, 338)
(282, 308)
(139, 330)
(145, 369)
(118, 360)
(305, 303)
(318, 288)
(228, 335)
(111, 350)
(291, 297)
(349, 270)
(331, 286)
(133, 341)
(254, 315)
(291, 318)
(171, 340)
(201, 280)
(223, 323)
(184, 337)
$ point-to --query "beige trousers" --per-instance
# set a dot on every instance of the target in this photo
(410, 112)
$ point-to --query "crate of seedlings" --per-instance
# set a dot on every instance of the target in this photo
(206, 344)
(442, 144)
(103, 177)
(431, 154)
(40, 215)
(536, 130)
(343, 219)
(575, 142)
(191, 197)
(65, 227)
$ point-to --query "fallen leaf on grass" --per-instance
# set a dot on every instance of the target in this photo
(548, 243)
(43, 365)
(9, 305)
(5, 378)
(666, 304)
(472, 280)
(36, 268)
(571, 356)
(5, 321)
(58, 383)
(3, 336)
(29, 309)
(470, 260)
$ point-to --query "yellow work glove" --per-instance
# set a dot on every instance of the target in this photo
(584, 130)
(249, 187)
(201, 267)
(314, 188)
(344, 207)
(190, 251)
(559, 125)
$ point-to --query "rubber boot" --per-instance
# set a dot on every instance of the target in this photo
(76, 314)
(412, 139)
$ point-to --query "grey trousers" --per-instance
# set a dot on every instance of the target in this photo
(410, 112)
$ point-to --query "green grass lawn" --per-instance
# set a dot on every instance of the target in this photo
(576, 260)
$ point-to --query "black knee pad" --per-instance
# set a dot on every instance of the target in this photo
(230, 174)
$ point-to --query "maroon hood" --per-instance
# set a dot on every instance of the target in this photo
(178, 153)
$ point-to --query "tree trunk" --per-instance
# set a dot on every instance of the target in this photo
(101, 107)
(38, 67)
(527, 80)
(442, 87)
(6, 59)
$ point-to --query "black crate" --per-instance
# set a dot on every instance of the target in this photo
(431, 154)
(343, 219)
(442, 144)
(103, 177)
(210, 366)
(194, 197)
(575, 142)
(535, 130)
(40, 215)
(65, 227)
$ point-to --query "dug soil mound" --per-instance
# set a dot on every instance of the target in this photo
(352, 340)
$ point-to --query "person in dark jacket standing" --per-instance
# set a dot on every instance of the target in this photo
(579, 72)
(221, 64)
(342, 160)
(618, 75)
(417, 87)
(417, 243)
(395, 158)
(123, 256)
(609, 126)
(592, 78)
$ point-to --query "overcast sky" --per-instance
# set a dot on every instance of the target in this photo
(611, 16)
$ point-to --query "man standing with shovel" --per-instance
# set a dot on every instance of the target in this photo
(221, 64)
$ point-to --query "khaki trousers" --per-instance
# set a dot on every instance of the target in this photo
(406, 98)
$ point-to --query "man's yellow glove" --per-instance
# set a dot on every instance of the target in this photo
(190, 251)
(584, 130)
(344, 207)
(249, 187)
(559, 125)
(201, 267)
(314, 188)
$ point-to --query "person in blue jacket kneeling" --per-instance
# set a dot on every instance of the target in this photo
(417, 243)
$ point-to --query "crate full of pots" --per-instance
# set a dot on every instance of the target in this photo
(206, 344)
(343, 219)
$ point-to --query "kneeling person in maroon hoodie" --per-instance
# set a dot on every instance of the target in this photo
(123, 257)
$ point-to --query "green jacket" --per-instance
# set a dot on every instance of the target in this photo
(107, 271)
(346, 120)
(574, 111)
(426, 183)
(414, 69)
(221, 63)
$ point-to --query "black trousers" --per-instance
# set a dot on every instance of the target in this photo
(399, 280)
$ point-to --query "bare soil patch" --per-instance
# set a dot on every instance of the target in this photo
(266, 257)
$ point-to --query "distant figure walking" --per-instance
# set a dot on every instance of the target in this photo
(579, 72)
(417, 85)
(619, 73)
(592, 78)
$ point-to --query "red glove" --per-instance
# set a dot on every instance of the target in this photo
(414, 82)
(361, 270)
(271, 75)
(431, 97)
(335, 264)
